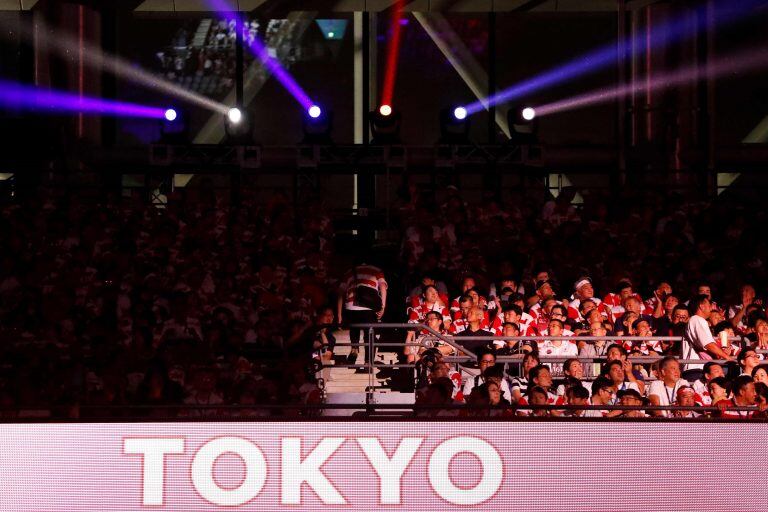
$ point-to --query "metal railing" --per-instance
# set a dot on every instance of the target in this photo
(470, 357)
(298, 411)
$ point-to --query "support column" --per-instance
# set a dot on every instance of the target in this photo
(239, 64)
(618, 179)
(365, 96)
(491, 76)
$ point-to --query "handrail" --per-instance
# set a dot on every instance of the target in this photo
(471, 356)
(384, 406)
(433, 332)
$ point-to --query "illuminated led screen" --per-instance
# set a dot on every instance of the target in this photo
(414, 466)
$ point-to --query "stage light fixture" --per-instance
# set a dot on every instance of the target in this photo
(174, 127)
(385, 127)
(235, 115)
(454, 126)
(522, 124)
(317, 125)
(238, 128)
(529, 114)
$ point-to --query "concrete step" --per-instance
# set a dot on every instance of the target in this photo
(346, 380)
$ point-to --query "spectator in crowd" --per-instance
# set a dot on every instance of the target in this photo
(744, 396)
(698, 340)
(616, 371)
(519, 384)
(573, 372)
(475, 328)
(686, 397)
(602, 395)
(711, 371)
(630, 398)
(663, 392)
(486, 361)
(748, 361)
(575, 396)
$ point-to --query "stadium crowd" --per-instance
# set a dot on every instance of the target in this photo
(118, 303)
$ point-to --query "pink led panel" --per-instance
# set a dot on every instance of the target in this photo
(367, 466)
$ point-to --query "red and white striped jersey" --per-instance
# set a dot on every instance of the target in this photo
(361, 275)
(460, 324)
(552, 399)
(418, 314)
(456, 307)
(573, 308)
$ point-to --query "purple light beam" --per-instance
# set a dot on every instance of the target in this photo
(27, 97)
(261, 52)
(603, 57)
(738, 63)
(94, 57)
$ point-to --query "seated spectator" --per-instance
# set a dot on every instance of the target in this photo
(738, 313)
(617, 352)
(761, 400)
(602, 394)
(743, 395)
(573, 372)
(475, 329)
(557, 347)
(519, 384)
(760, 374)
(662, 325)
(718, 389)
(486, 361)
(663, 392)
(686, 397)
(748, 361)
(539, 396)
(429, 301)
(630, 398)
(509, 347)
(575, 396)
(540, 377)
(203, 392)
(616, 371)
(712, 371)
(438, 392)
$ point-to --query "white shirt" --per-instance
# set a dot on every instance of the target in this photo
(585, 383)
(549, 349)
(697, 336)
(665, 393)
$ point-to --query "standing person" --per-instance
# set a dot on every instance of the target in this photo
(362, 300)
(698, 337)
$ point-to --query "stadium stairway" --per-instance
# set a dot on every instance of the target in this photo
(201, 36)
(346, 380)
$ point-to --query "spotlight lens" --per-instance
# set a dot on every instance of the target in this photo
(170, 115)
(314, 111)
(529, 114)
(235, 115)
(460, 113)
(385, 110)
